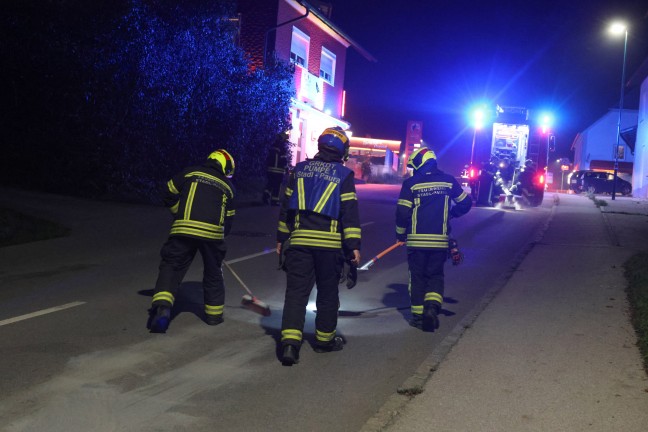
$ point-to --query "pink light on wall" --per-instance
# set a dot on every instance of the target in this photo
(343, 103)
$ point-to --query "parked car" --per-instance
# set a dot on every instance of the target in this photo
(597, 182)
(574, 181)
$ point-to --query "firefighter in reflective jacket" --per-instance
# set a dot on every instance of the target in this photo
(200, 198)
(422, 215)
(318, 218)
(276, 164)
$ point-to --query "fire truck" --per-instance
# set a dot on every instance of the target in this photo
(509, 158)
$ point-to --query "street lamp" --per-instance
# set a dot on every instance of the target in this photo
(546, 121)
(478, 120)
(619, 28)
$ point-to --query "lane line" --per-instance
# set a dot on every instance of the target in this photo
(366, 223)
(247, 257)
(41, 312)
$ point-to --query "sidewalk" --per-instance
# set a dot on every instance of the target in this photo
(554, 349)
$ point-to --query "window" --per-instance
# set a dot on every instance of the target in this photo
(327, 66)
(299, 47)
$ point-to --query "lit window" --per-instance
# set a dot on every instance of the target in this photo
(327, 66)
(299, 47)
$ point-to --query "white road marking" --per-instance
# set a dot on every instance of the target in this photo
(366, 223)
(247, 257)
(41, 312)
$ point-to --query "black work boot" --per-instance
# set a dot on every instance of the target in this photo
(213, 320)
(337, 344)
(430, 316)
(289, 354)
(161, 319)
(416, 321)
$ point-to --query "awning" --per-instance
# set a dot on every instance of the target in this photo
(605, 165)
(630, 137)
(373, 144)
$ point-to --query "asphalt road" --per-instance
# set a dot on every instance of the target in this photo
(76, 355)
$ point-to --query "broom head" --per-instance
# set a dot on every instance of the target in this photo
(255, 305)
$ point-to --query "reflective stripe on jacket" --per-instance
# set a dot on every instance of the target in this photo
(425, 205)
(200, 198)
(320, 207)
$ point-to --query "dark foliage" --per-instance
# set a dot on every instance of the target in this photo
(109, 99)
(636, 273)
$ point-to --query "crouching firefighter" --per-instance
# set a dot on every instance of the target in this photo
(427, 201)
(200, 198)
(318, 216)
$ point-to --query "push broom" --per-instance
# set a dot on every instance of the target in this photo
(373, 260)
(249, 301)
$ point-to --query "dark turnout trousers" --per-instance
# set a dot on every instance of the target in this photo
(426, 277)
(304, 267)
(177, 255)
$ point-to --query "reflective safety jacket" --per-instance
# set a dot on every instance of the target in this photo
(200, 198)
(320, 207)
(425, 205)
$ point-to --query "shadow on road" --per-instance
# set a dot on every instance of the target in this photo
(189, 299)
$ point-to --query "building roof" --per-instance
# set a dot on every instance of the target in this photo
(640, 74)
(321, 17)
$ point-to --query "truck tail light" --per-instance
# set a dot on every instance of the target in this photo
(541, 179)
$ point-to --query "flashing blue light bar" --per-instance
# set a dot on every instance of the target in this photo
(478, 115)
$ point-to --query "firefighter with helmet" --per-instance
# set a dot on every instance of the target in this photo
(422, 215)
(276, 167)
(318, 219)
(200, 198)
(524, 185)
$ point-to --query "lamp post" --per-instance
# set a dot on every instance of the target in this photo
(478, 118)
(546, 122)
(618, 28)
(562, 174)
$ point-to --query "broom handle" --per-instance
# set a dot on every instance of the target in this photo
(229, 267)
(373, 260)
(386, 251)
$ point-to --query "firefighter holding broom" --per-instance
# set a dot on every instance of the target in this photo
(319, 219)
(200, 198)
(422, 215)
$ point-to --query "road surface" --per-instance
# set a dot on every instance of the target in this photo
(76, 355)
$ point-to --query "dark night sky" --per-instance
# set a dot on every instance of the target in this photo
(437, 58)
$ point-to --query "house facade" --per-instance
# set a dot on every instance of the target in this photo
(594, 147)
(640, 172)
(301, 33)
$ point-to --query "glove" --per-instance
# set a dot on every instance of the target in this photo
(282, 256)
(454, 253)
(352, 275)
(349, 272)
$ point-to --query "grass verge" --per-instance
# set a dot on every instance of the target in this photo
(597, 202)
(17, 228)
(636, 273)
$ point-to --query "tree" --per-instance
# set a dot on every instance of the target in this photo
(156, 85)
